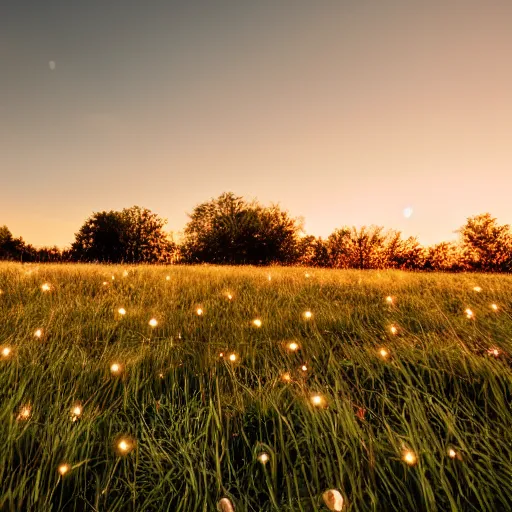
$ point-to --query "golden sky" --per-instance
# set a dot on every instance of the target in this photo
(344, 112)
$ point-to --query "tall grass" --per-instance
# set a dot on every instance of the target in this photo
(200, 421)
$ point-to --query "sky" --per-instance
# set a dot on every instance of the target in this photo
(345, 112)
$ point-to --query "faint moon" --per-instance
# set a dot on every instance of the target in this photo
(407, 212)
(52, 64)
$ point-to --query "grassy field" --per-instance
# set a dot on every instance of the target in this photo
(415, 419)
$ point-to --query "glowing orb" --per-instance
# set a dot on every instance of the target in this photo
(263, 457)
(153, 322)
(257, 322)
(63, 469)
(115, 368)
(408, 212)
(317, 400)
(409, 457)
(121, 311)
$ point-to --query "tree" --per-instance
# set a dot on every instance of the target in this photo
(486, 246)
(230, 230)
(13, 248)
(133, 235)
(445, 256)
(313, 252)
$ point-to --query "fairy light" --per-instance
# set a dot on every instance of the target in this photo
(25, 412)
(317, 400)
(45, 287)
(477, 289)
(384, 353)
(493, 352)
(452, 453)
(494, 307)
(161, 375)
(125, 445)
(199, 311)
(263, 458)
(257, 322)
(304, 368)
(113, 278)
(286, 377)
(76, 412)
(125, 273)
(105, 283)
(307, 275)
(469, 313)
(116, 368)
(232, 357)
(229, 296)
(393, 329)
(38, 333)
(308, 315)
(167, 278)
(389, 299)
(409, 457)
(293, 346)
(221, 354)
(6, 352)
(269, 277)
(63, 469)
(153, 322)
(333, 500)
(121, 311)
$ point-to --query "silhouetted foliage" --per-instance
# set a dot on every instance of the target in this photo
(13, 248)
(229, 230)
(133, 235)
(313, 252)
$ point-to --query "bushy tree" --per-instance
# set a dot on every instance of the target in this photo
(230, 230)
(133, 235)
(486, 245)
(445, 256)
(313, 252)
(13, 248)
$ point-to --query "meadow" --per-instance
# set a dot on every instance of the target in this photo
(155, 388)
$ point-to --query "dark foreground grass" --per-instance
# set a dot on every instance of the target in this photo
(198, 421)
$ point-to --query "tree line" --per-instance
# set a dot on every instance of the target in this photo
(230, 230)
